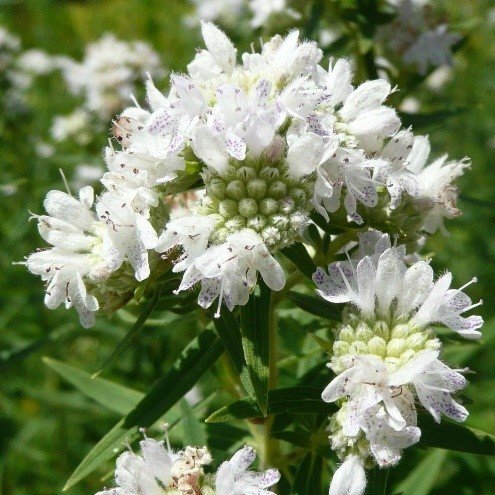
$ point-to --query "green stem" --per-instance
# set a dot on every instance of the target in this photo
(271, 455)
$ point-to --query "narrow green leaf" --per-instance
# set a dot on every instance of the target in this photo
(424, 120)
(291, 400)
(317, 11)
(296, 438)
(377, 482)
(298, 255)
(308, 477)
(454, 436)
(326, 345)
(14, 357)
(256, 341)
(230, 334)
(422, 478)
(316, 306)
(113, 396)
(194, 429)
(197, 358)
(133, 332)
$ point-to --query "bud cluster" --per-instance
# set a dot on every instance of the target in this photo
(259, 195)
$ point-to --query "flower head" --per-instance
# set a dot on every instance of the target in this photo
(385, 355)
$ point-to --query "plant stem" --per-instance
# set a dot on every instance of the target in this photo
(271, 455)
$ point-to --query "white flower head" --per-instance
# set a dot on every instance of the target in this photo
(107, 75)
(411, 36)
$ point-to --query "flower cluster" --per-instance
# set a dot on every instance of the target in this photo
(108, 74)
(230, 12)
(385, 354)
(417, 39)
(160, 470)
(268, 142)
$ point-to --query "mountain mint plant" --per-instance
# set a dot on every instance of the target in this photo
(245, 180)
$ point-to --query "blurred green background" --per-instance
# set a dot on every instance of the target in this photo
(46, 427)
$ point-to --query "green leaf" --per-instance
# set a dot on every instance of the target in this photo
(255, 330)
(14, 357)
(291, 400)
(297, 254)
(453, 436)
(316, 306)
(296, 438)
(326, 345)
(422, 478)
(327, 227)
(317, 11)
(377, 482)
(230, 334)
(197, 358)
(113, 396)
(308, 477)
(423, 120)
(194, 429)
(135, 329)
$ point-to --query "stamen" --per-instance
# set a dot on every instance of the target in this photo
(220, 298)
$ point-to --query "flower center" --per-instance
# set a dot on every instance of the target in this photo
(395, 343)
(259, 195)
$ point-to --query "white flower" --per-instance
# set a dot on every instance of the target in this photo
(436, 180)
(432, 48)
(349, 168)
(434, 382)
(75, 125)
(107, 75)
(386, 442)
(35, 61)
(145, 473)
(394, 172)
(365, 116)
(228, 271)
(445, 305)
(349, 478)
(383, 411)
(71, 228)
(129, 235)
(388, 288)
(192, 233)
(366, 383)
(233, 477)
(411, 37)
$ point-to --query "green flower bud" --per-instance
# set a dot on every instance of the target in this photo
(268, 206)
(256, 189)
(277, 190)
(256, 223)
(400, 331)
(228, 208)
(248, 207)
(378, 346)
(364, 332)
(236, 190)
(396, 347)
